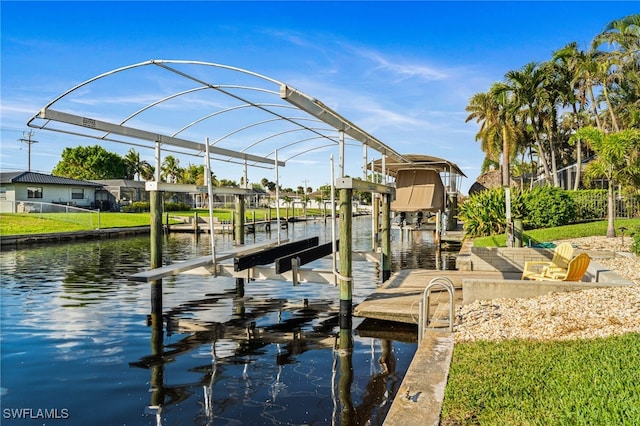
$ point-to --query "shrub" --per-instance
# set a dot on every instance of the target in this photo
(176, 207)
(484, 214)
(635, 247)
(136, 207)
(546, 207)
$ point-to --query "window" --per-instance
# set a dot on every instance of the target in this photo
(3, 192)
(77, 193)
(34, 192)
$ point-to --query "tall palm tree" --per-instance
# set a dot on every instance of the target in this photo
(483, 109)
(574, 95)
(624, 36)
(170, 169)
(527, 87)
(506, 126)
(134, 164)
(617, 161)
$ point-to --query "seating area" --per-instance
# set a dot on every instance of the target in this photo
(562, 255)
(574, 272)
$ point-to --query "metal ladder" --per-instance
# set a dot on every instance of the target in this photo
(423, 306)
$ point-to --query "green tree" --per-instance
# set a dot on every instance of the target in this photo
(528, 88)
(618, 161)
(135, 166)
(228, 182)
(90, 162)
(483, 109)
(193, 174)
(170, 169)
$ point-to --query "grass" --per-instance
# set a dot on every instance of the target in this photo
(560, 233)
(579, 382)
(520, 382)
(45, 223)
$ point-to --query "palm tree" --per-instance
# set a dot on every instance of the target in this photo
(506, 126)
(574, 95)
(624, 36)
(527, 87)
(135, 166)
(483, 109)
(620, 65)
(148, 172)
(618, 161)
(170, 169)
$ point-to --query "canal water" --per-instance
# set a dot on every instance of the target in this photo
(78, 346)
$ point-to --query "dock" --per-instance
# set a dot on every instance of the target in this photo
(397, 300)
(421, 394)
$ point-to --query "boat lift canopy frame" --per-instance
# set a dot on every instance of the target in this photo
(54, 117)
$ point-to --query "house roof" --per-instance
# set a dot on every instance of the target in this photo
(42, 178)
(122, 183)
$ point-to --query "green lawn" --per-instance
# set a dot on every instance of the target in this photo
(579, 382)
(561, 233)
(44, 223)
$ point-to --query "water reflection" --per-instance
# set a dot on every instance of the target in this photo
(241, 343)
(272, 354)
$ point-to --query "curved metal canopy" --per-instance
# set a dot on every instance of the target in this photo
(178, 104)
(416, 161)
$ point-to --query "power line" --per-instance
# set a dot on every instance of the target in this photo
(27, 137)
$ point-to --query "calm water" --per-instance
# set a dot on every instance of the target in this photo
(77, 342)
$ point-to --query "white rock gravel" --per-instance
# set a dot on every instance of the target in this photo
(562, 316)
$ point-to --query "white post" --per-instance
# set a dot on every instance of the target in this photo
(207, 176)
(333, 221)
(244, 175)
(364, 162)
(341, 165)
(277, 197)
(384, 169)
(507, 196)
(158, 163)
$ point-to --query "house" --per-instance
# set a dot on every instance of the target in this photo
(120, 192)
(28, 191)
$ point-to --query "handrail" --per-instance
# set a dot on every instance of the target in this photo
(423, 307)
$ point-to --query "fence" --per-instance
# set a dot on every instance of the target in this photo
(592, 204)
(60, 212)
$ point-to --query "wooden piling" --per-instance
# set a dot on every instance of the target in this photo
(347, 408)
(346, 248)
(155, 201)
(376, 220)
(386, 237)
(239, 225)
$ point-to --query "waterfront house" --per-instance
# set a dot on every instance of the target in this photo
(25, 191)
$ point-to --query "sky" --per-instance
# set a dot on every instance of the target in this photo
(401, 71)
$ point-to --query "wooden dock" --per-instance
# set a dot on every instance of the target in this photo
(397, 300)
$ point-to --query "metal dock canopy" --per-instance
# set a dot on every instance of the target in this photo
(194, 108)
(449, 172)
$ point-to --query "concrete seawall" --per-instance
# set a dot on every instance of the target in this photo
(9, 242)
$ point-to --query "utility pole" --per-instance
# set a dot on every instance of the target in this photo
(28, 139)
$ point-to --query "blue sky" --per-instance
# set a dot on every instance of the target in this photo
(402, 71)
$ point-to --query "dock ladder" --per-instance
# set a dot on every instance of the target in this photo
(423, 307)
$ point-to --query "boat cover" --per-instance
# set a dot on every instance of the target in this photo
(418, 189)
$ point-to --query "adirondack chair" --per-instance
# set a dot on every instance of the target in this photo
(575, 271)
(562, 254)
